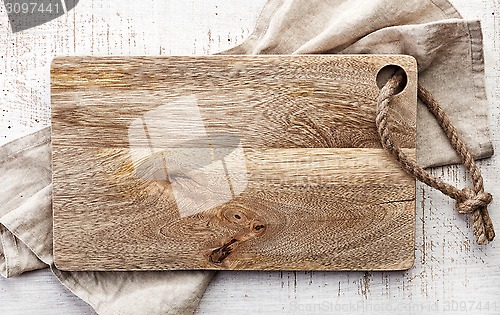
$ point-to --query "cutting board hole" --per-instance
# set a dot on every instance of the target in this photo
(387, 72)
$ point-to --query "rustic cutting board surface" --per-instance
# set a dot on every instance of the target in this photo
(229, 162)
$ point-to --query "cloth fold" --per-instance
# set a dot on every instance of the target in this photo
(450, 59)
(26, 239)
(448, 49)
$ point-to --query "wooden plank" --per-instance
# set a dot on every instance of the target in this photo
(229, 162)
(449, 267)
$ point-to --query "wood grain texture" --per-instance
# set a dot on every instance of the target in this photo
(448, 266)
(229, 162)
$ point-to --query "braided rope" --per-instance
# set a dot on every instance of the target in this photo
(469, 201)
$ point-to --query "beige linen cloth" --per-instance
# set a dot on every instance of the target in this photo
(449, 54)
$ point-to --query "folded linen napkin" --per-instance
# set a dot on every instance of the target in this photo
(449, 54)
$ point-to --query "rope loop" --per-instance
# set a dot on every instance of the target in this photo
(471, 201)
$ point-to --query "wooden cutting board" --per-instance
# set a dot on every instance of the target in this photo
(229, 162)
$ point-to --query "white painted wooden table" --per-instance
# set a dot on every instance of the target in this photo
(451, 275)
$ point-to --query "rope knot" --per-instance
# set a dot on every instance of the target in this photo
(470, 202)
